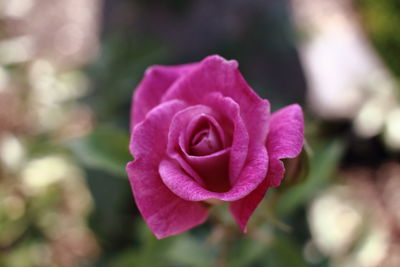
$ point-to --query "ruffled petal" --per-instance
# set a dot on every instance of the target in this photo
(165, 213)
(285, 140)
(187, 188)
(157, 80)
(240, 135)
(242, 209)
(286, 136)
(215, 74)
(226, 113)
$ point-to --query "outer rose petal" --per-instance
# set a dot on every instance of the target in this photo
(156, 81)
(242, 209)
(165, 213)
(286, 136)
(285, 140)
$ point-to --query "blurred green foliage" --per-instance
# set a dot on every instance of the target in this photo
(105, 149)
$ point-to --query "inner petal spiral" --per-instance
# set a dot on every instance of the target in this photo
(199, 141)
(206, 141)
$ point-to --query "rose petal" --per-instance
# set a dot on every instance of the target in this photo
(226, 111)
(178, 130)
(286, 136)
(285, 140)
(184, 186)
(209, 171)
(213, 170)
(215, 74)
(242, 209)
(207, 140)
(156, 81)
(165, 213)
(200, 123)
(240, 139)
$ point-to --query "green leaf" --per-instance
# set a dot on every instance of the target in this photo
(105, 149)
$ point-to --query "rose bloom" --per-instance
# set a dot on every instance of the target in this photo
(201, 134)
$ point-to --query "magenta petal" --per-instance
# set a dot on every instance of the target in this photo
(227, 112)
(213, 170)
(236, 143)
(209, 171)
(214, 74)
(157, 80)
(206, 122)
(180, 124)
(178, 127)
(242, 209)
(184, 186)
(240, 136)
(165, 213)
(286, 136)
(285, 140)
(206, 141)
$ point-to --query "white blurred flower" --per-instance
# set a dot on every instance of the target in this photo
(39, 173)
(51, 90)
(334, 221)
(373, 249)
(17, 50)
(16, 8)
(392, 130)
(12, 152)
(370, 120)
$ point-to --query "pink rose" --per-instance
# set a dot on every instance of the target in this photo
(200, 133)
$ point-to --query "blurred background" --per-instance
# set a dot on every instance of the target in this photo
(67, 72)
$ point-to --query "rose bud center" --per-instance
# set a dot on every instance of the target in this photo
(205, 142)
